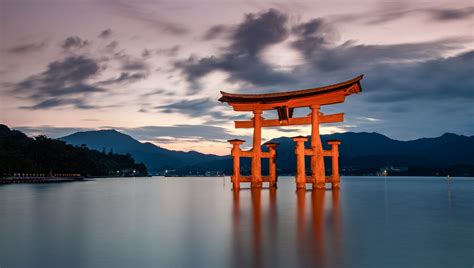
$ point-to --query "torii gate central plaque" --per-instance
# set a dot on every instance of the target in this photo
(285, 103)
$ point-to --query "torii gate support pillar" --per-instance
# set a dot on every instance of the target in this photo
(272, 176)
(300, 165)
(236, 152)
(317, 159)
(335, 178)
(256, 169)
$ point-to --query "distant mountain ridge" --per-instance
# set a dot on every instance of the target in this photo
(370, 150)
(154, 157)
(358, 151)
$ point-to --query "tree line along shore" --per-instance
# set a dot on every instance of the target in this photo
(44, 158)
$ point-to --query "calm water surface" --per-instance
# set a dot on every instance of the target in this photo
(201, 222)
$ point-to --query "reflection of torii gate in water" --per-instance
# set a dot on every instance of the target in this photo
(285, 103)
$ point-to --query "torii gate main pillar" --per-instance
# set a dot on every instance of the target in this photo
(256, 169)
(317, 159)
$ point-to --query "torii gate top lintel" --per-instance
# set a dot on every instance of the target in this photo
(330, 94)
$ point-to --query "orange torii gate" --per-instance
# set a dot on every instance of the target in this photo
(285, 103)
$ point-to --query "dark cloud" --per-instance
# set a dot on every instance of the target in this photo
(130, 10)
(158, 92)
(105, 33)
(326, 62)
(123, 78)
(169, 52)
(146, 53)
(388, 13)
(380, 17)
(134, 65)
(258, 31)
(241, 59)
(59, 102)
(112, 46)
(244, 68)
(130, 63)
(196, 107)
(315, 40)
(435, 80)
(352, 56)
(313, 35)
(435, 14)
(203, 107)
(71, 73)
(74, 43)
(61, 84)
(27, 48)
(215, 31)
(451, 14)
(132, 68)
(310, 28)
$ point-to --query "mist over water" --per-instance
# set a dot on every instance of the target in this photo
(201, 222)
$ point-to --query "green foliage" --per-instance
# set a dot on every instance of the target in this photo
(21, 154)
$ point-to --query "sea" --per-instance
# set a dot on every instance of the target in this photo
(202, 222)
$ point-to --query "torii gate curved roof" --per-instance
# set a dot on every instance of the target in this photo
(322, 95)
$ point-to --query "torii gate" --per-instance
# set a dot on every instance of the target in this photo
(285, 103)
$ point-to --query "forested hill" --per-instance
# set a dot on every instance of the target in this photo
(21, 154)
(154, 157)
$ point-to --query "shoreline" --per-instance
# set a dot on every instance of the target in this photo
(51, 179)
(34, 180)
(19, 180)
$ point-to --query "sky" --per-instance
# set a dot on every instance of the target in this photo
(155, 69)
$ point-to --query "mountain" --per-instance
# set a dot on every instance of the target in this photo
(154, 157)
(360, 153)
(41, 155)
(372, 150)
